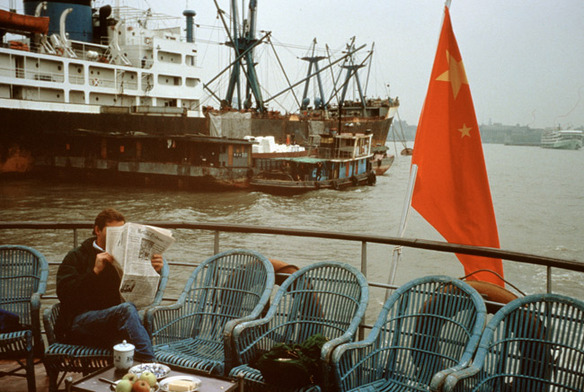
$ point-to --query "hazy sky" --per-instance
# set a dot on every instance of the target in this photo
(524, 58)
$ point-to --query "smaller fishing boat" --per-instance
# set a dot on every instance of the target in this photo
(562, 139)
(337, 161)
(381, 160)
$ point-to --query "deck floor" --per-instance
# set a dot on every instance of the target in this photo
(18, 384)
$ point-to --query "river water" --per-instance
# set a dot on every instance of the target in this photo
(538, 196)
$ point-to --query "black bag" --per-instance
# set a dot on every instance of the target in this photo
(9, 322)
(293, 365)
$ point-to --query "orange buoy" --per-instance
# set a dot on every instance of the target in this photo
(281, 267)
(493, 293)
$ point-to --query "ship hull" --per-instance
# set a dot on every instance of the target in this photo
(27, 135)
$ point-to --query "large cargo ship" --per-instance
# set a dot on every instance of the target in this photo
(66, 67)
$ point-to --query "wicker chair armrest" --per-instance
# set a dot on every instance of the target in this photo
(164, 274)
(329, 347)
(466, 360)
(228, 339)
(453, 378)
(351, 358)
(35, 317)
(163, 319)
(50, 316)
(246, 338)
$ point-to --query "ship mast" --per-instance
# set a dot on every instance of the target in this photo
(313, 61)
(243, 40)
(352, 69)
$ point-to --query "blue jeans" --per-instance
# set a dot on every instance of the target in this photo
(108, 327)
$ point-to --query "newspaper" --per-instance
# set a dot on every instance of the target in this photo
(132, 246)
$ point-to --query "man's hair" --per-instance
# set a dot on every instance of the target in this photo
(106, 216)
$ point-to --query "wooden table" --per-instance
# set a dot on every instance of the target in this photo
(91, 382)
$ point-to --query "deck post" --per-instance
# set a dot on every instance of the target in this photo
(216, 243)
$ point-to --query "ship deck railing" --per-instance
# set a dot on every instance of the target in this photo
(217, 229)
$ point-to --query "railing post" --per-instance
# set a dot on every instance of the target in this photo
(549, 279)
(216, 243)
(364, 271)
(364, 258)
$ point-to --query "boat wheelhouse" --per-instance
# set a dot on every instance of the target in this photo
(338, 161)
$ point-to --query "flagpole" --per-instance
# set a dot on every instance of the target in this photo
(403, 223)
(447, 3)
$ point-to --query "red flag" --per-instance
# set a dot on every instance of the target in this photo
(452, 188)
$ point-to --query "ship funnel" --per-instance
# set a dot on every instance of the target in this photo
(190, 16)
(79, 26)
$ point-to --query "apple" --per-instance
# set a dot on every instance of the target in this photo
(124, 386)
(141, 386)
(149, 377)
(131, 377)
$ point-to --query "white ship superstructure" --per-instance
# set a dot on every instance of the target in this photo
(562, 139)
(137, 68)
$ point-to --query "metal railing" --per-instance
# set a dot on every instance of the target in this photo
(218, 228)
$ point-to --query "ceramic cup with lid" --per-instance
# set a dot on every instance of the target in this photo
(123, 355)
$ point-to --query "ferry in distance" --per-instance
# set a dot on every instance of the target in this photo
(562, 139)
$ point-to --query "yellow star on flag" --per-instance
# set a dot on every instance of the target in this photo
(464, 131)
(456, 74)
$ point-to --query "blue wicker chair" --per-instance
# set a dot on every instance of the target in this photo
(64, 357)
(23, 280)
(535, 344)
(223, 291)
(425, 326)
(326, 297)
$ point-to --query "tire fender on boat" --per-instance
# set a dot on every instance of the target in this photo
(335, 184)
(371, 178)
(354, 180)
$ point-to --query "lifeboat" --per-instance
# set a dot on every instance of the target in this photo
(20, 23)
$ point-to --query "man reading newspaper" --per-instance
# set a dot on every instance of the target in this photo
(93, 311)
(132, 246)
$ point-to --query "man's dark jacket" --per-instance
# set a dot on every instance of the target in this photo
(79, 289)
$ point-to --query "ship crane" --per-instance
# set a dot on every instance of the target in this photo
(319, 103)
(243, 40)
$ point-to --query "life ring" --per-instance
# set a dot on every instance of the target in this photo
(147, 40)
(59, 51)
(281, 267)
(95, 82)
(424, 331)
(492, 293)
(427, 330)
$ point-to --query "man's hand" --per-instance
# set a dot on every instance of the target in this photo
(157, 262)
(101, 260)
